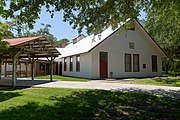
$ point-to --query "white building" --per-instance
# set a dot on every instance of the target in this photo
(113, 54)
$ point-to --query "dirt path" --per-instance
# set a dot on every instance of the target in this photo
(149, 89)
(173, 92)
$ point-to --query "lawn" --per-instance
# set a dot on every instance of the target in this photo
(172, 74)
(63, 78)
(68, 104)
(162, 82)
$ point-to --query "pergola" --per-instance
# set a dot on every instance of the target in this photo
(32, 48)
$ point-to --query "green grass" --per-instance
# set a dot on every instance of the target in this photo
(172, 74)
(68, 104)
(161, 82)
(63, 78)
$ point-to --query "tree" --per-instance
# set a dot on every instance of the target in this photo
(95, 15)
(164, 25)
(4, 33)
(62, 43)
(45, 31)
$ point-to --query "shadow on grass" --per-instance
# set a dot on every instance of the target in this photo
(98, 104)
(8, 95)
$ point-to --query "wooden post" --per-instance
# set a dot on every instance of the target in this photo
(35, 67)
(51, 64)
(26, 69)
(20, 69)
(14, 60)
(0, 65)
(5, 69)
(32, 70)
(45, 68)
(0, 70)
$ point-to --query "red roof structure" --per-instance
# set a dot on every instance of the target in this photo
(19, 41)
(38, 47)
(32, 48)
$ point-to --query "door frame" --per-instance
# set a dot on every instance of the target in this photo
(105, 72)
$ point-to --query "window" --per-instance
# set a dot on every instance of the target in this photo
(132, 28)
(135, 63)
(71, 64)
(131, 45)
(78, 63)
(144, 66)
(154, 63)
(127, 62)
(65, 64)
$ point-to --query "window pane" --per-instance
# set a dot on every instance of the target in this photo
(131, 45)
(127, 62)
(71, 64)
(77, 63)
(135, 63)
(78, 58)
(154, 63)
(64, 64)
(103, 57)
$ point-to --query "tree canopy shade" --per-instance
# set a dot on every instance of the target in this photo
(94, 15)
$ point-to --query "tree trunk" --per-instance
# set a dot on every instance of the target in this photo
(167, 68)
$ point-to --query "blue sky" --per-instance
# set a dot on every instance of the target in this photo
(59, 28)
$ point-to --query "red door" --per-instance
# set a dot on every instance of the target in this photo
(103, 64)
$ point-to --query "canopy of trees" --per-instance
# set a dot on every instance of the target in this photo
(45, 31)
(62, 43)
(95, 15)
(164, 25)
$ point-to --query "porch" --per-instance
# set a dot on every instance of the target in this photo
(26, 51)
(24, 67)
(21, 83)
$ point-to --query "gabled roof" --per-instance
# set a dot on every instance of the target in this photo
(78, 36)
(90, 42)
(144, 30)
(20, 41)
(37, 47)
(86, 44)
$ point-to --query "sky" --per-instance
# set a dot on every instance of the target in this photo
(59, 28)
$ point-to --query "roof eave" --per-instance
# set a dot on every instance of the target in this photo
(164, 53)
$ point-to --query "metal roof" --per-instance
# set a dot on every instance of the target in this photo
(19, 41)
(36, 47)
(88, 43)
